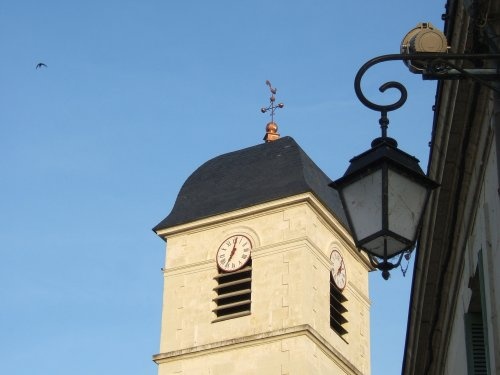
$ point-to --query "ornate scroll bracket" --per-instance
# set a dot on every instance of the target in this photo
(437, 66)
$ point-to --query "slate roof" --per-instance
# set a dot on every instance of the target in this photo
(255, 175)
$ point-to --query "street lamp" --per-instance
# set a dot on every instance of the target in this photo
(384, 191)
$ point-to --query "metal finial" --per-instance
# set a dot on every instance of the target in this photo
(272, 127)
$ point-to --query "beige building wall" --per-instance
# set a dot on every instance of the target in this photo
(483, 238)
(288, 330)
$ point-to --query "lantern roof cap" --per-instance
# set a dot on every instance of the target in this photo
(383, 150)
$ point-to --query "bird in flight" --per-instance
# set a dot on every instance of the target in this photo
(40, 65)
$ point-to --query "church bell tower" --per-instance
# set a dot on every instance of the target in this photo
(261, 274)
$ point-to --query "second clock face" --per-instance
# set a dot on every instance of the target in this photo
(338, 270)
(234, 253)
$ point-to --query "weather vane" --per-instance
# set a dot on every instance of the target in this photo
(271, 127)
(272, 107)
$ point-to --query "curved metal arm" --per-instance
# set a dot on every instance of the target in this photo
(388, 85)
(437, 63)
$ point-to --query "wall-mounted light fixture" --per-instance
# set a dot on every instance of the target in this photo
(384, 191)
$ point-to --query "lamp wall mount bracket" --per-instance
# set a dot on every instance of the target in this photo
(481, 68)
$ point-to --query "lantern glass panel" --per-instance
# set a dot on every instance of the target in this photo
(406, 201)
(363, 200)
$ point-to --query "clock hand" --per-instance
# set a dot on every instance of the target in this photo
(340, 268)
(232, 251)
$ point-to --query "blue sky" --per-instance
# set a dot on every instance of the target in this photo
(136, 95)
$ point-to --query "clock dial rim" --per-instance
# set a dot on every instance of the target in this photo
(224, 267)
(344, 271)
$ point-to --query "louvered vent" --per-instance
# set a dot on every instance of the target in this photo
(233, 294)
(337, 309)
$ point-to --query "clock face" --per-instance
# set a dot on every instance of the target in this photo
(234, 253)
(338, 270)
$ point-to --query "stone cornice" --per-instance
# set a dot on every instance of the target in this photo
(260, 339)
